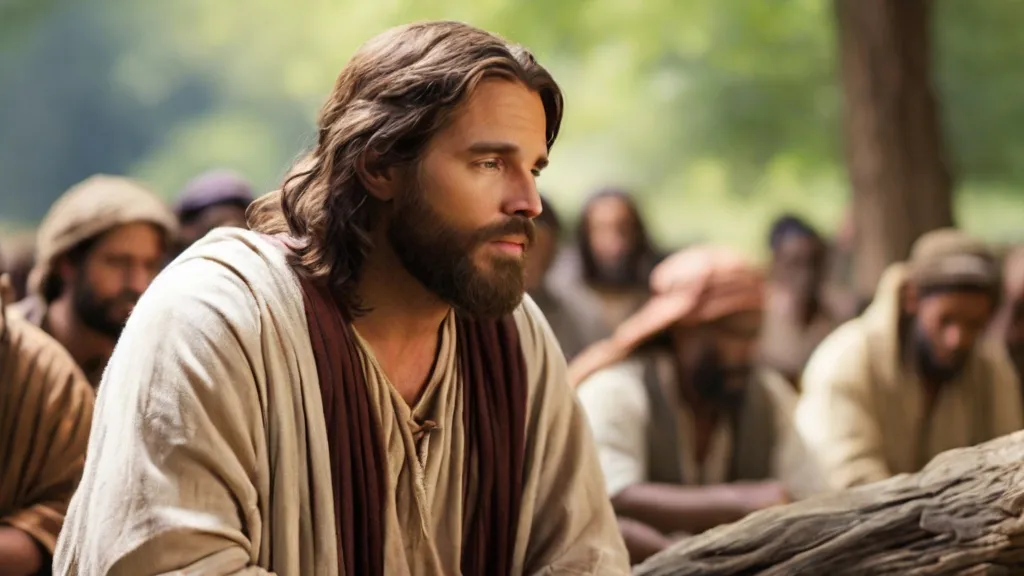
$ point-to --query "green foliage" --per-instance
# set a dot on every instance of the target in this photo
(719, 114)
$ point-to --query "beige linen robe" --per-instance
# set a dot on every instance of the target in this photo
(862, 409)
(619, 411)
(209, 453)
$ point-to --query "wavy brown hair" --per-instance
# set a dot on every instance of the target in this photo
(393, 96)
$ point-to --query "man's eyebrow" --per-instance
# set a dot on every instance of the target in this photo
(495, 147)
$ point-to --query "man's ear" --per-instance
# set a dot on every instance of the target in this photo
(910, 298)
(66, 269)
(380, 183)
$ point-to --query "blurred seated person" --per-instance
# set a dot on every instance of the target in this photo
(568, 321)
(1007, 330)
(607, 272)
(691, 433)
(800, 309)
(912, 376)
(45, 413)
(214, 199)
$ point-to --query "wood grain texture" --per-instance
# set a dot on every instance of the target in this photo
(962, 514)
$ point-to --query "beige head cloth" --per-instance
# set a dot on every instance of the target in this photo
(88, 209)
(949, 257)
(693, 286)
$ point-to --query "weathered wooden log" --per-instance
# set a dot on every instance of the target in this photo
(962, 514)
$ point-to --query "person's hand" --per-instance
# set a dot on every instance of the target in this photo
(756, 496)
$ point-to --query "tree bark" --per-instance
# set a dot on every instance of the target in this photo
(962, 514)
(896, 159)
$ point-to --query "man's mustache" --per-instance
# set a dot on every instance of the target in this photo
(513, 226)
(127, 297)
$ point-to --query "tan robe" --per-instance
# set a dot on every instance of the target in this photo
(45, 412)
(209, 453)
(619, 412)
(862, 409)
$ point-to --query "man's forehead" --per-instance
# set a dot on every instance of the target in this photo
(745, 321)
(959, 301)
(130, 237)
(500, 109)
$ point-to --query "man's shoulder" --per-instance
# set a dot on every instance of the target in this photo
(621, 380)
(231, 279)
(777, 388)
(41, 355)
(230, 260)
(842, 351)
(535, 334)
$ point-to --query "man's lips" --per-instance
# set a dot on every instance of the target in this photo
(510, 246)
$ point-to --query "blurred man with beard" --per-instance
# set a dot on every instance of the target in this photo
(356, 385)
(1007, 329)
(800, 308)
(912, 376)
(691, 432)
(98, 248)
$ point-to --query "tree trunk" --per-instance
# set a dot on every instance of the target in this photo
(894, 148)
(962, 514)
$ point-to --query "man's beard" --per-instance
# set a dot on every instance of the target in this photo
(619, 273)
(722, 385)
(440, 257)
(932, 369)
(97, 313)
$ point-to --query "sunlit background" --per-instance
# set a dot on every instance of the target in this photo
(718, 114)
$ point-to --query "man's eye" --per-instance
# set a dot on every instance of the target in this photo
(492, 164)
(536, 172)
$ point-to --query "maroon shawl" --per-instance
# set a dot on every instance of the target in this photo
(493, 374)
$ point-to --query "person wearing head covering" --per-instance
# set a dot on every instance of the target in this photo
(97, 249)
(800, 309)
(574, 328)
(912, 376)
(45, 413)
(213, 199)
(1007, 328)
(691, 432)
(357, 384)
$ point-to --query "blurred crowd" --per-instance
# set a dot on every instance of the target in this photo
(714, 386)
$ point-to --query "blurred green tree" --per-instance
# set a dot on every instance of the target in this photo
(717, 113)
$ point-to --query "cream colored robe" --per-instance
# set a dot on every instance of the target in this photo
(209, 453)
(862, 409)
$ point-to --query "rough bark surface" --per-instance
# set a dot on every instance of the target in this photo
(894, 147)
(962, 514)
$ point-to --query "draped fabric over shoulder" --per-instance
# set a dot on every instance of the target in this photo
(211, 444)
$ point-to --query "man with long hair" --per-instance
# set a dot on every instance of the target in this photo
(607, 273)
(356, 385)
